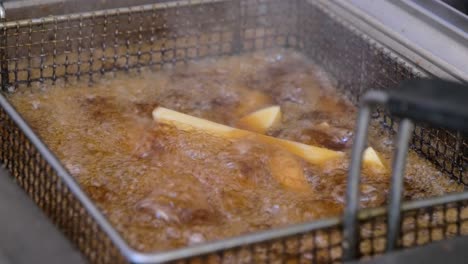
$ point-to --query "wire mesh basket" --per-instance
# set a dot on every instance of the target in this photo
(83, 47)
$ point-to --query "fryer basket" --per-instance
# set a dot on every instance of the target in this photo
(83, 47)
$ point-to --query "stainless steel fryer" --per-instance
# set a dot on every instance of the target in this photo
(83, 47)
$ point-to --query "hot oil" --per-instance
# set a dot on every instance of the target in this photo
(163, 188)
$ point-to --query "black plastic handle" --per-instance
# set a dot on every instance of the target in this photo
(439, 102)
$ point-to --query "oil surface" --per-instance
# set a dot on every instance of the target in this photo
(163, 188)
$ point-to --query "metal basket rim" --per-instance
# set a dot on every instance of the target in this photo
(103, 12)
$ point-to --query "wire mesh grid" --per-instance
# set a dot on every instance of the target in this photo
(35, 175)
(361, 65)
(317, 246)
(420, 225)
(82, 47)
(424, 225)
(86, 45)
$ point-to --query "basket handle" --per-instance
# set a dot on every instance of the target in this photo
(438, 102)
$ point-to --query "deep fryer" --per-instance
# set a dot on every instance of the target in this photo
(82, 47)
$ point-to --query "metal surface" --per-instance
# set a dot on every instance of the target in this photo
(83, 47)
(2, 12)
(396, 188)
(351, 226)
(26, 235)
(458, 5)
(450, 19)
(3, 63)
(416, 35)
(451, 251)
(28, 9)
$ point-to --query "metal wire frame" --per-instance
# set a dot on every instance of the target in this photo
(84, 46)
(351, 228)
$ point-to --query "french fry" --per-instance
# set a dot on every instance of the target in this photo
(285, 169)
(312, 154)
(188, 123)
(261, 120)
(371, 159)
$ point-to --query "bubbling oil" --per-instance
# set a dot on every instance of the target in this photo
(163, 188)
